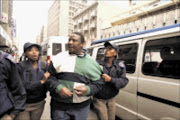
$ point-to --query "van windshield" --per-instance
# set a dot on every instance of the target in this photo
(56, 48)
(44, 49)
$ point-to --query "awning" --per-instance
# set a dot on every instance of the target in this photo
(5, 40)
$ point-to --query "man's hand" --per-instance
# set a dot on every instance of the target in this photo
(7, 117)
(80, 90)
(45, 77)
(65, 92)
(106, 77)
(12, 116)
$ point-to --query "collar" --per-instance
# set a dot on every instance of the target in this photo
(81, 55)
(38, 66)
(104, 62)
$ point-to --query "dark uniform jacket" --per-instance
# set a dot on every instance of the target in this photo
(15, 89)
(117, 72)
(31, 78)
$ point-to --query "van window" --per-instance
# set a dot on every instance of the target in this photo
(89, 51)
(100, 53)
(44, 49)
(56, 48)
(162, 57)
(44, 52)
(66, 47)
(128, 53)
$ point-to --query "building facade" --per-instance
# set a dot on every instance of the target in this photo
(60, 16)
(43, 33)
(142, 16)
(89, 20)
(38, 39)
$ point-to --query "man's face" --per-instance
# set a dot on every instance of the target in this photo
(74, 44)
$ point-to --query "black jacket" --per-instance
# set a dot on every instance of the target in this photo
(117, 72)
(9, 74)
(31, 79)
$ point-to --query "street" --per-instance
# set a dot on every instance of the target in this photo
(133, 46)
(46, 113)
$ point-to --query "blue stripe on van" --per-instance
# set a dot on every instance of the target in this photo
(168, 102)
(136, 33)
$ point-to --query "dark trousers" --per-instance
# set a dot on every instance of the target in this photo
(72, 114)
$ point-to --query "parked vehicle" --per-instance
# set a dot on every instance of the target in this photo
(152, 59)
(52, 46)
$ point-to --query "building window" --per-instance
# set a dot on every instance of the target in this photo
(133, 2)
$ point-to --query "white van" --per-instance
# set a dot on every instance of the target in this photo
(152, 59)
(52, 46)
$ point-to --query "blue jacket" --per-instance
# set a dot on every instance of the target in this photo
(36, 91)
(117, 72)
(31, 79)
(9, 74)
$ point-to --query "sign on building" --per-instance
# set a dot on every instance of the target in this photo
(13, 28)
(3, 16)
(0, 9)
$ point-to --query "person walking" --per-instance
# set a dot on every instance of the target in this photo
(114, 76)
(80, 77)
(35, 75)
(12, 92)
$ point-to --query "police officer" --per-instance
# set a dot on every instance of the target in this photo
(114, 75)
(35, 74)
(12, 93)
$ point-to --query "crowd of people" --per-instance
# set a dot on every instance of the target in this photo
(72, 79)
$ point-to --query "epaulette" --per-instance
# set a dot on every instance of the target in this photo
(10, 57)
(121, 64)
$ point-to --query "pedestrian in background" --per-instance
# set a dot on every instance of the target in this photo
(12, 92)
(34, 75)
(80, 77)
(114, 75)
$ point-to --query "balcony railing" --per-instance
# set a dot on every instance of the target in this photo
(80, 21)
(86, 18)
(93, 13)
(93, 25)
(85, 28)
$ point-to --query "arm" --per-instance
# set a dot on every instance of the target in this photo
(95, 86)
(94, 75)
(25, 73)
(52, 83)
(90, 89)
(121, 80)
(97, 81)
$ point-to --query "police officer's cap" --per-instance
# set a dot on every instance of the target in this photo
(113, 45)
(29, 45)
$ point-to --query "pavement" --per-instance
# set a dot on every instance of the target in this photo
(46, 113)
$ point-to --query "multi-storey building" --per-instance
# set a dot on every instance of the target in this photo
(60, 16)
(89, 20)
(43, 33)
(142, 16)
(38, 39)
(6, 37)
